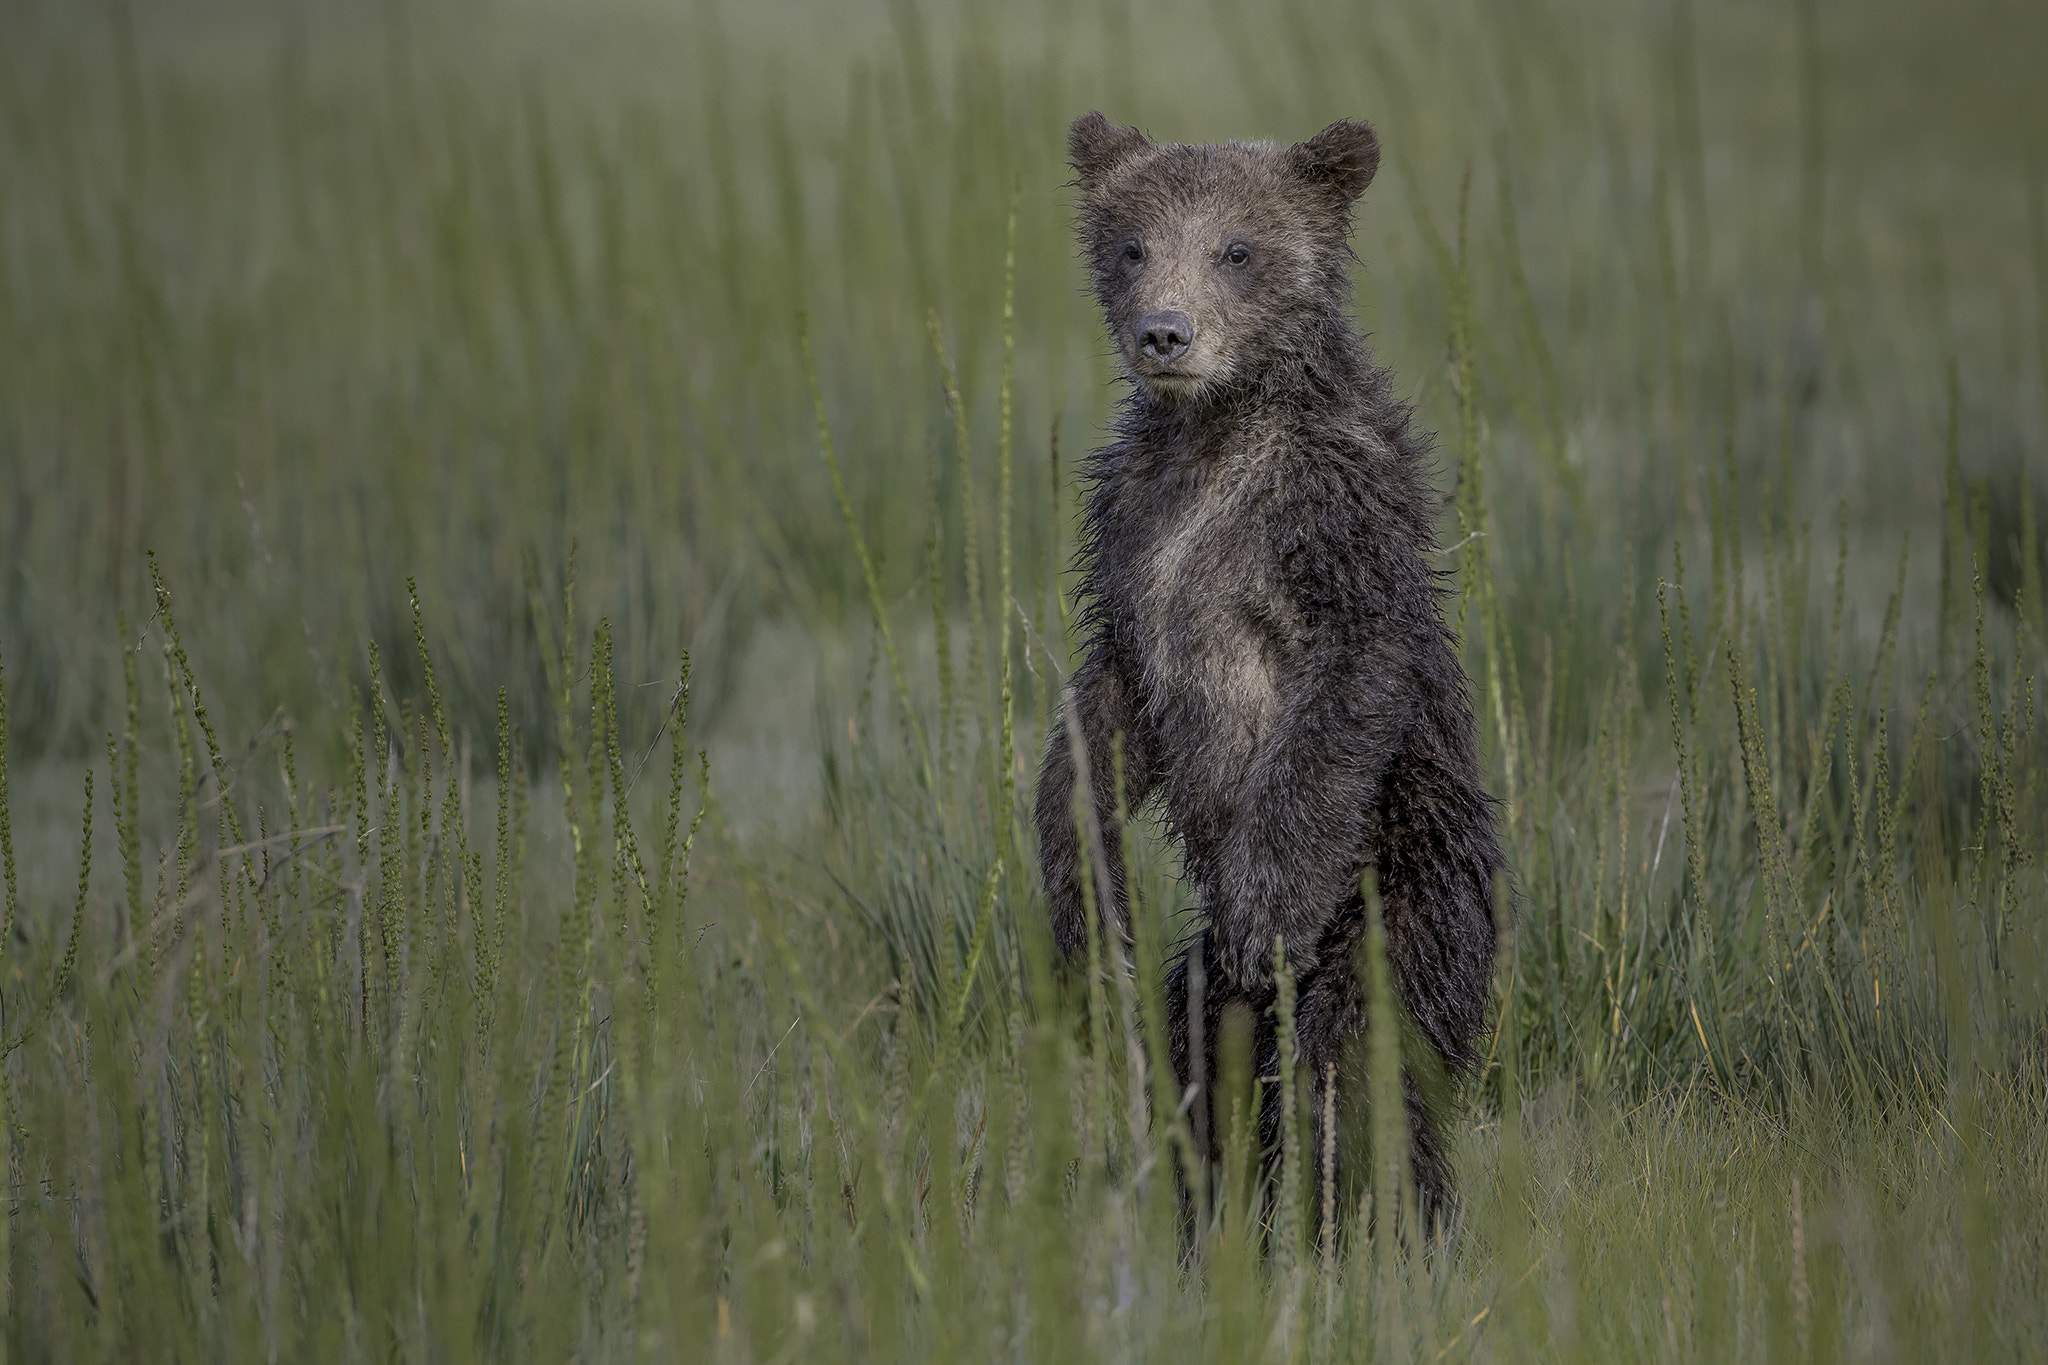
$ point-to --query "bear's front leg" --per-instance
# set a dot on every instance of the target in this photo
(1438, 857)
(1099, 703)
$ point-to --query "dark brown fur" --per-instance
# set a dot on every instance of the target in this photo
(1263, 626)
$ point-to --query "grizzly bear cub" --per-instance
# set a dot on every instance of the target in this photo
(1263, 627)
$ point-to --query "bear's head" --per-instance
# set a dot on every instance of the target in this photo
(1215, 262)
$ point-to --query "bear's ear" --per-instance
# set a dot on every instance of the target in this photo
(1343, 158)
(1095, 147)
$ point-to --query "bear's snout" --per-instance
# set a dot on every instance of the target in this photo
(1165, 337)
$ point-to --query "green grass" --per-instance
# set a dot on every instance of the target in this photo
(530, 587)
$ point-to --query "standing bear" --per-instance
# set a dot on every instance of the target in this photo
(1263, 626)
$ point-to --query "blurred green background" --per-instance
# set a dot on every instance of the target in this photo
(308, 298)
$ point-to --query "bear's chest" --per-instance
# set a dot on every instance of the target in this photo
(1213, 623)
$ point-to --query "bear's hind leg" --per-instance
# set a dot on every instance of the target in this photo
(1333, 1028)
(1197, 1008)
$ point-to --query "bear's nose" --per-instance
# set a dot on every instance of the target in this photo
(1165, 336)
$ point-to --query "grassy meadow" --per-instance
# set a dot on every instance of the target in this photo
(532, 547)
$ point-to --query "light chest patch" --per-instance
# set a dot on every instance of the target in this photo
(1208, 613)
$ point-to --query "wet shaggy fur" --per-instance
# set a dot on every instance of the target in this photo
(1263, 625)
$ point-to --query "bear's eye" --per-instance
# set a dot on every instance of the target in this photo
(1134, 251)
(1237, 253)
